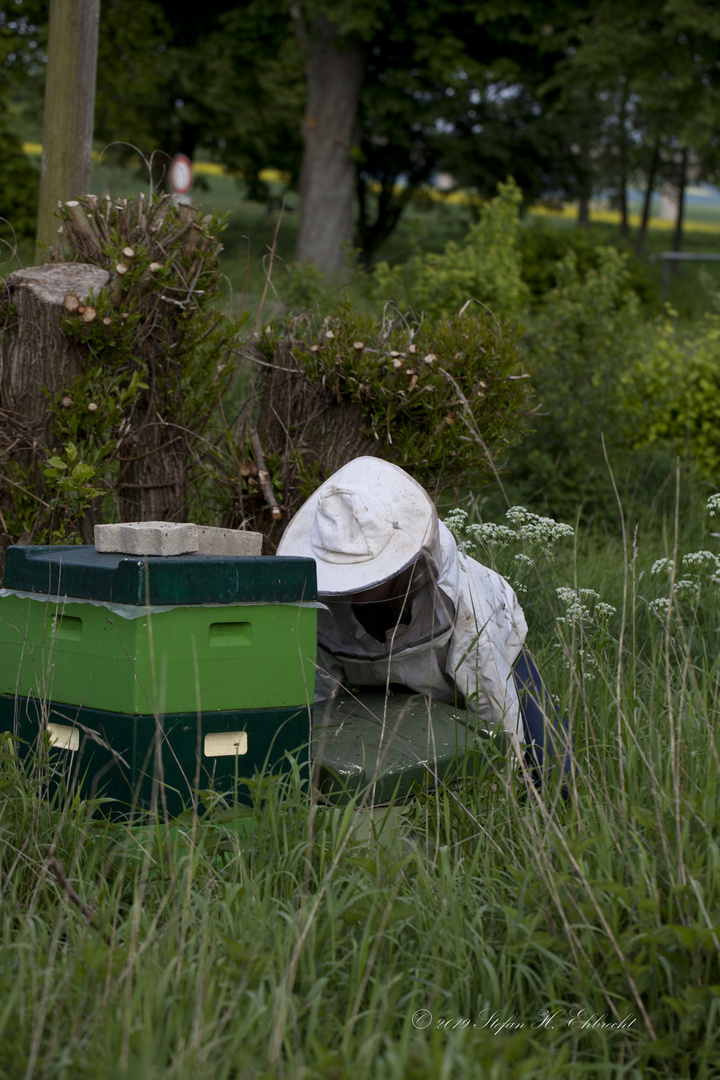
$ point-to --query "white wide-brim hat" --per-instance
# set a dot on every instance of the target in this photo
(364, 525)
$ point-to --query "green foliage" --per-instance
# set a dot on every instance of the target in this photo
(19, 188)
(303, 287)
(586, 336)
(485, 267)
(74, 493)
(672, 393)
(544, 247)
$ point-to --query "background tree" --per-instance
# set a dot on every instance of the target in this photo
(69, 113)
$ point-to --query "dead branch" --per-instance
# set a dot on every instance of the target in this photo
(264, 476)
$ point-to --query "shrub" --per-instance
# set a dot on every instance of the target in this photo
(145, 414)
(416, 392)
(485, 267)
(586, 336)
(672, 394)
(543, 249)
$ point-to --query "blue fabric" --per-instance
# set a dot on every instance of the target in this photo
(547, 737)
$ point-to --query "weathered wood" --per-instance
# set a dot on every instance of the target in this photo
(308, 428)
(118, 284)
(153, 479)
(69, 109)
(264, 476)
(84, 228)
(35, 352)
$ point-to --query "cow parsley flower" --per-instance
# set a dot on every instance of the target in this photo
(700, 560)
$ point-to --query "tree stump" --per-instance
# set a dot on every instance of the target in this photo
(36, 353)
(308, 430)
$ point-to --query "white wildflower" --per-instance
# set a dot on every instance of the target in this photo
(660, 607)
(584, 605)
(490, 533)
(517, 514)
(698, 560)
(455, 521)
(687, 589)
(524, 562)
(575, 610)
(662, 564)
(589, 594)
(590, 666)
(713, 505)
(533, 529)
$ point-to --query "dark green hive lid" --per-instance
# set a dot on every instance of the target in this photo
(88, 574)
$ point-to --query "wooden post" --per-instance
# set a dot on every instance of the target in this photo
(69, 110)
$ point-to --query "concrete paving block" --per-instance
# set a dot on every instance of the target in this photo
(235, 542)
(147, 538)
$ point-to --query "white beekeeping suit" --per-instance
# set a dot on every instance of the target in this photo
(402, 604)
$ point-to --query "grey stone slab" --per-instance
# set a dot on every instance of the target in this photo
(234, 542)
(164, 538)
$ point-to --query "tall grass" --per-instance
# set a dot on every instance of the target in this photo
(481, 929)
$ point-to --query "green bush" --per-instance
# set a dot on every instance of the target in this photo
(485, 267)
(543, 248)
(586, 336)
(672, 394)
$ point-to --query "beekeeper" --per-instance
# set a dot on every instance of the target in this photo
(403, 606)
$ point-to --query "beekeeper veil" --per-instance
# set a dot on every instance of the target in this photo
(363, 526)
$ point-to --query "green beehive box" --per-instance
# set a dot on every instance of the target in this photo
(159, 658)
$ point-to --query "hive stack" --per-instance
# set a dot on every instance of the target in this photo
(157, 676)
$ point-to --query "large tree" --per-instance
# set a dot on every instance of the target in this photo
(388, 88)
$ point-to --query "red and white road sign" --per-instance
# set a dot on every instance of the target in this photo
(181, 174)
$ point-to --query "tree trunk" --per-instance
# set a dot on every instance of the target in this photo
(682, 184)
(330, 131)
(153, 471)
(624, 224)
(36, 352)
(647, 202)
(583, 218)
(308, 428)
(69, 109)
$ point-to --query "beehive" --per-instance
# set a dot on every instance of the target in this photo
(187, 671)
